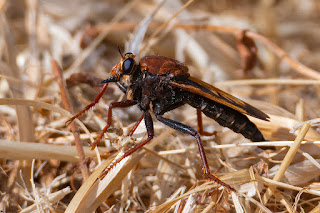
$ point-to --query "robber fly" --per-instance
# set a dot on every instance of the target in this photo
(159, 84)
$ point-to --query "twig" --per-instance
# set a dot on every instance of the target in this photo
(52, 198)
(27, 151)
(163, 26)
(74, 128)
(36, 197)
(300, 68)
(86, 52)
(24, 115)
(287, 160)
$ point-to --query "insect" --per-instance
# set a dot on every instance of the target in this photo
(159, 84)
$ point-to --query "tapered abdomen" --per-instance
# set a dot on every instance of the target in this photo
(226, 117)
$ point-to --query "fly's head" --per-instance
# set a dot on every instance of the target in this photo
(122, 72)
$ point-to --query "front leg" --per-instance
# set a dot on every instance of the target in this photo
(94, 102)
(122, 104)
(188, 130)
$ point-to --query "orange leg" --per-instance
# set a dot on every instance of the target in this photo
(149, 126)
(122, 104)
(200, 126)
(135, 126)
(96, 100)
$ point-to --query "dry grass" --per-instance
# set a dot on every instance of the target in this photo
(83, 36)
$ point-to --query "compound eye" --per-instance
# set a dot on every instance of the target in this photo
(127, 66)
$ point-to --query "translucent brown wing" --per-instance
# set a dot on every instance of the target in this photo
(206, 90)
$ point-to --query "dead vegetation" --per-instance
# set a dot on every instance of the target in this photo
(273, 65)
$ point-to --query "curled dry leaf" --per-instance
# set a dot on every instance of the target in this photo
(247, 50)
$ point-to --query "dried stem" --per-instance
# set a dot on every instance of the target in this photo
(287, 160)
(300, 68)
(74, 127)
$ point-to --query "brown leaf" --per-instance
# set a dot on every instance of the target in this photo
(247, 51)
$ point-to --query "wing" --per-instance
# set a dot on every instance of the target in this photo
(206, 90)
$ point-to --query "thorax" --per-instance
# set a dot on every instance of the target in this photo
(153, 92)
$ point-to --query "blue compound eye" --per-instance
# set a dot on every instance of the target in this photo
(127, 66)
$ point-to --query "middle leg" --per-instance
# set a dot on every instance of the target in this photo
(135, 126)
(200, 125)
(149, 126)
(122, 104)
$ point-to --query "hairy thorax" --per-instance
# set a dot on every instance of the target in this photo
(155, 93)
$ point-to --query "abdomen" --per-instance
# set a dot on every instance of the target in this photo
(226, 117)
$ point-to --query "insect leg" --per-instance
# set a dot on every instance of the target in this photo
(135, 126)
(149, 126)
(122, 104)
(188, 130)
(96, 100)
(200, 126)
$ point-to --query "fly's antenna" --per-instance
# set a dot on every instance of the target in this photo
(120, 52)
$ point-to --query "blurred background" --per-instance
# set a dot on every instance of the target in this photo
(84, 37)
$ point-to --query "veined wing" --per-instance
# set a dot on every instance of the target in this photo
(206, 90)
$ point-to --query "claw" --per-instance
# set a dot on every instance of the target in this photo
(68, 122)
(93, 146)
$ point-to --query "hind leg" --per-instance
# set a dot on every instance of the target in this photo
(188, 130)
